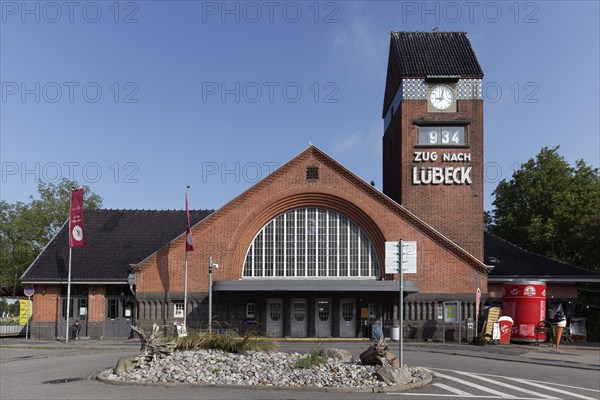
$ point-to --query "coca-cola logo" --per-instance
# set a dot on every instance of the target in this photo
(544, 293)
(529, 291)
(514, 291)
(504, 329)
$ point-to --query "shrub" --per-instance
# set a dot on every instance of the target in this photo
(229, 341)
(313, 359)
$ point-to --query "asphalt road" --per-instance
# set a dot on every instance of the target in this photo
(68, 374)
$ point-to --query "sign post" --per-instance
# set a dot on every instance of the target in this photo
(401, 257)
(477, 302)
(29, 291)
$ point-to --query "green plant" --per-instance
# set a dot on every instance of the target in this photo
(313, 359)
(229, 341)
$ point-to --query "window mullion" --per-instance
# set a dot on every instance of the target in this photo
(359, 243)
(338, 244)
(327, 243)
(285, 244)
(295, 242)
(306, 242)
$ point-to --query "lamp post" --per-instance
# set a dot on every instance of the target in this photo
(210, 269)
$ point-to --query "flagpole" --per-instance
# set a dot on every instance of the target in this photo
(185, 281)
(69, 276)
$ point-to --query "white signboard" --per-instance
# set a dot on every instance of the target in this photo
(409, 257)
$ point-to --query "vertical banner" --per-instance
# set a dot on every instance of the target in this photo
(76, 236)
(477, 303)
(23, 312)
(189, 244)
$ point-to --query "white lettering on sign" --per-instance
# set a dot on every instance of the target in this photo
(439, 175)
(453, 157)
(422, 156)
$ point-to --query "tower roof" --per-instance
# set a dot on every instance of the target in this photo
(435, 53)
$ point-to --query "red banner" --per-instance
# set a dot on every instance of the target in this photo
(76, 237)
(189, 244)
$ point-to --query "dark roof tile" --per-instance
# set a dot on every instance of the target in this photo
(435, 53)
(115, 239)
(511, 260)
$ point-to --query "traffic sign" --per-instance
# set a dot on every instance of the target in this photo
(29, 291)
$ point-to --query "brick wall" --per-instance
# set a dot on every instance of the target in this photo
(227, 233)
(46, 305)
(454, 210)
(96, 303)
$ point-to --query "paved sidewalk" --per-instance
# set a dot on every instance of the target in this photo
(574, 355)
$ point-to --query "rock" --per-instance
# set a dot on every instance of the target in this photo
(338, 354)
(125, 364)
(392, 359)
(394, 376)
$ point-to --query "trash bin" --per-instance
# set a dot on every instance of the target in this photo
(506, 324)
(395, 333)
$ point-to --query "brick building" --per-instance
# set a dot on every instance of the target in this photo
(302, 252)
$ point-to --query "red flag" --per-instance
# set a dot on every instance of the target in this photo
(76, 237)
(189, 244)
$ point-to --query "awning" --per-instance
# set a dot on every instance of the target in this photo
(313, 285)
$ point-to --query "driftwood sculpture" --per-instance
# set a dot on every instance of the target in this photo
(389, 370)
(152, 345)
(379, 354)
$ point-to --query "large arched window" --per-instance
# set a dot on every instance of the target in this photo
(311, 242)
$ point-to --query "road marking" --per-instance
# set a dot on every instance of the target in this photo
(471, 384)
(579, 396)
(506, 385)
(453, 390)
(567, 386)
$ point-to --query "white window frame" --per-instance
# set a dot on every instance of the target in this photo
(372, 310)
(250, 310)
(178, 310)
(307, 251)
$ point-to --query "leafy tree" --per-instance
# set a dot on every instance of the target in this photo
(26, 228)
(552, 208)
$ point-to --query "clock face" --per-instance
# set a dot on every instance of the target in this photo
(441, 97)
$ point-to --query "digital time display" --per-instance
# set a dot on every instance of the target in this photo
(442, 135)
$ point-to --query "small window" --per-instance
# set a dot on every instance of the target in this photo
(113, 309)
(372, 310)
(178, 310)
(442, 135)
(250, 310)
(312, 173)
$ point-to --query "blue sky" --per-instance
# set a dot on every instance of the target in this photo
(138, 99)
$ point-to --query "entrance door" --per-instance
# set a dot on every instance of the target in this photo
(119, 312)
(78, 310)
(347, 318)
(298, 318)
(323, 318)
(275, 317)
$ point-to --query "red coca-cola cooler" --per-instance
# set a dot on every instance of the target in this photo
(506, 324)
(525, 303)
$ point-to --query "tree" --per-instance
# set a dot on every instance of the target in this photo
(26, 228)
(551, 208)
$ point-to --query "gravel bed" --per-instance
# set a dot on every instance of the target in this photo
(256, 368)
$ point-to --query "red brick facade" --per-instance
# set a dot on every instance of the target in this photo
(46, 305)
(227, 234)
(455, 210)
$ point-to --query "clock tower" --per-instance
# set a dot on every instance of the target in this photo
(433, 133)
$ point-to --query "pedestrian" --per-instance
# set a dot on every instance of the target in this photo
(75, 328)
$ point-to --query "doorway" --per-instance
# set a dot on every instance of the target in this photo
(323, 318)
(298, 318)
(275, 317)
(347, 318)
